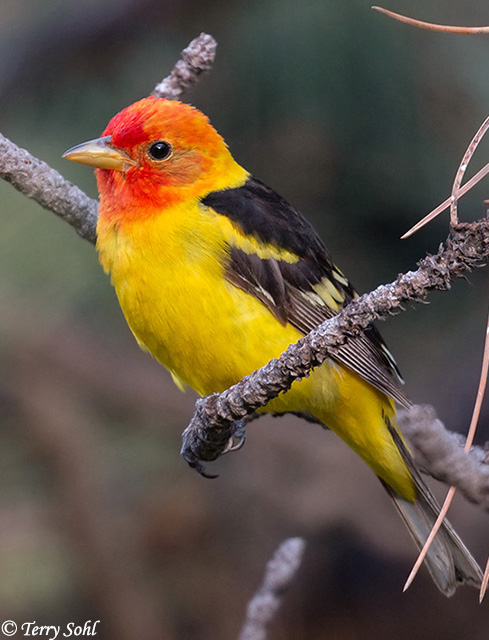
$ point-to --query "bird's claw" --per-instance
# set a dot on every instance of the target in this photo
(198, 446)
(194, 463)
(234, 443)
(238, 437)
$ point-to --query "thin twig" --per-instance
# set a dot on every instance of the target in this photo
(430, 25)
(279, 573)
(432, 535)
(485, 581)
(457, 190)
(196, 58)
(474, 143)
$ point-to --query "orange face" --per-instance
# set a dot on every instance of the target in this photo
(153, 154)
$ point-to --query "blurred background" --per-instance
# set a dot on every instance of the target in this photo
(360, 122)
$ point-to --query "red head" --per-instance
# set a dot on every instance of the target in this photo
(155, 154)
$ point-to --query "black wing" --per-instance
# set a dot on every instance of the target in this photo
(304, 292)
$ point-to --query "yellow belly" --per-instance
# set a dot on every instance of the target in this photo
(209, 334)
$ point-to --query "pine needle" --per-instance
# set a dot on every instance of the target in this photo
(430, 25)
(444, 205)
(453, 200)
(451, 492)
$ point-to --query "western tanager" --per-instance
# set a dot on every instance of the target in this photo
(217, 274)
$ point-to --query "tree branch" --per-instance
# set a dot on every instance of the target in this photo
(38, 181)
(440, 453)
(279, 573)
(196, 58)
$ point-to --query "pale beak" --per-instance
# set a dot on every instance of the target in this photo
(101, 154)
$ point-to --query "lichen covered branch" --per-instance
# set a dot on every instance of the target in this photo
(38, 181)
(196, 58)
(440, 453)
(279, 573)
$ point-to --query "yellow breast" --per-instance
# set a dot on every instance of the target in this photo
(168, 273)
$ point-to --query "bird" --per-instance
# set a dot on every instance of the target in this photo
(216, 274)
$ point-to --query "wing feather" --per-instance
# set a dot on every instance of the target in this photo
(303, 293)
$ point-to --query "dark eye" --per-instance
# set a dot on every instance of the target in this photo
(159, 150)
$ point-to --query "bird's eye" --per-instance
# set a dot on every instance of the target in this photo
(159, 150)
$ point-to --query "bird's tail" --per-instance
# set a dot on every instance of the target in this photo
(448, 560)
